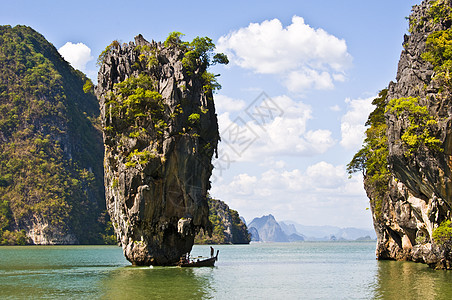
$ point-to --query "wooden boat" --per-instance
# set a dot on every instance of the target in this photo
(208, 262)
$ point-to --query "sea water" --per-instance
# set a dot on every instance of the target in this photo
(305, 270)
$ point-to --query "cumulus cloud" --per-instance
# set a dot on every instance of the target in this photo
(225, 104)
(78, 55)
(352, 122)
(281, 130)
(318, 195)
(335, 108)
(307, 78)
(305, 57)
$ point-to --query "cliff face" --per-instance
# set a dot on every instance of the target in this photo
(227, 227)
(418, 114)
(51, 175)
(160, 132)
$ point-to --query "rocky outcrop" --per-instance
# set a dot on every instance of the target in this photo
(160, 133)
(227, 226)
(419, 195)
(51, 152)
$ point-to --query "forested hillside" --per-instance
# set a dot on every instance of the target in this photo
(51, 152)
(227, 227)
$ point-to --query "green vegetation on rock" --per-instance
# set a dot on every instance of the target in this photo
(443, 234)
(422, 126)
(134, 100)
(51, 174)
(198, 56)
(439, 11)
(114, 45)
(227, 227)
(372, 158)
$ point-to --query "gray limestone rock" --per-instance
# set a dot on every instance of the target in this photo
(158, 163)
(419, 195)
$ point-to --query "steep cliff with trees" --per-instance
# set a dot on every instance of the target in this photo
(51, 174)
(160, 133)
(227, 227)
(407, 154)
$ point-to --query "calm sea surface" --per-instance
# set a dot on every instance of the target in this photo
(307, 270)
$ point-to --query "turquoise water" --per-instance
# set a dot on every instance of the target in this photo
(308, 270)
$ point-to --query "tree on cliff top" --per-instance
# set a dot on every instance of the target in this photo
(372, 158)
(199, 53)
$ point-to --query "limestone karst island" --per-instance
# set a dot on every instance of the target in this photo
(127, 160)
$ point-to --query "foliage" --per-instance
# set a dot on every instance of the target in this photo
(439, 54)
(443, 234)
(139, 157)
(372, 158)
(220, 58)
(135, 100)
(174, 40)
(148, 56)
(50, 151)
(221, 216)
(210, 82)
(114, 45)
(422, 124)
(10, 238)
(198, 56)
(88, 87)
(193, 119)
(440, 10)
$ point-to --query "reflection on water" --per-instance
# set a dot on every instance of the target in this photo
(157, 283)
(408, 280)
(308, 270)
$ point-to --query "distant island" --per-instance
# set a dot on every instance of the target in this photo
(267, 229)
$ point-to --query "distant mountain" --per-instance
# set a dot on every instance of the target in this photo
(254, 234)
(269, 230)
(324, 233)
(295, 237)
(288, 228)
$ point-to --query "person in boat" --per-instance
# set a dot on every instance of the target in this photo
(183, 260)
(212, 251)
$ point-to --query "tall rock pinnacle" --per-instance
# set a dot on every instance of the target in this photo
(407, 155)
(160, 133)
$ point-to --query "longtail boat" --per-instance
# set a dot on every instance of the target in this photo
(199, 262)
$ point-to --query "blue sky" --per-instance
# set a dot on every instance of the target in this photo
(311, 67)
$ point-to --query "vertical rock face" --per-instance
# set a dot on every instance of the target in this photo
(419, 196)
(160, 132)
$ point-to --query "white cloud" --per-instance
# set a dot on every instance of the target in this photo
(226, 104)
(312, 58)
(308, 78)
(319, 195)
(244, 139)
(78, 55)
(352, 123)
(335, 108)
